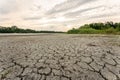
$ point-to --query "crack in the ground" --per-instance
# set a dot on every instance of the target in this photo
(59, 59)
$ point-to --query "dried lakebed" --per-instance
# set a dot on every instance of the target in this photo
(59, 57)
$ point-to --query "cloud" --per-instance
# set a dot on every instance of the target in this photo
(79, 12)
(7, 6)
(32, 18)
(68, 5)
(4, 19)
(36, 8)
(103, 15)
(56, 14)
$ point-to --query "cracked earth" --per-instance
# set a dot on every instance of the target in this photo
(59, 57)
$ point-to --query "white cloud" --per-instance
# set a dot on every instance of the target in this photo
(7, 6)
(57, 14)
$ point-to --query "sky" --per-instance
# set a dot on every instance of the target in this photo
(57, 15)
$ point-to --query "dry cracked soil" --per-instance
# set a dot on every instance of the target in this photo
(59, 57)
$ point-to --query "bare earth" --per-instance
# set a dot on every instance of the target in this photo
(59, 57)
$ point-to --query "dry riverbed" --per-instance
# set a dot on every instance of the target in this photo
(59, 57)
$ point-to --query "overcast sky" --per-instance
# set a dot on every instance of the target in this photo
(59, 15)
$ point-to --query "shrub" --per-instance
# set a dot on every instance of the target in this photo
(97, 28)
(110, 31)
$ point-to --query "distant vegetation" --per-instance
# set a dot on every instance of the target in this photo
(15, 29)
(97, 28)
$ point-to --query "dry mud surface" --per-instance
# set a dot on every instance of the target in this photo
(59, 57)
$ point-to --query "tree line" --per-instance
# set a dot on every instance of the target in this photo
(15, 29)
(96, 28)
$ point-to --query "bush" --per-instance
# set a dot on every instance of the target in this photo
(73, 31)
(88, 31)
(15, 29)
(97, 28)
(110, 31)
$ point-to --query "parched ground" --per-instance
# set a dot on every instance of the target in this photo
(59, 57)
